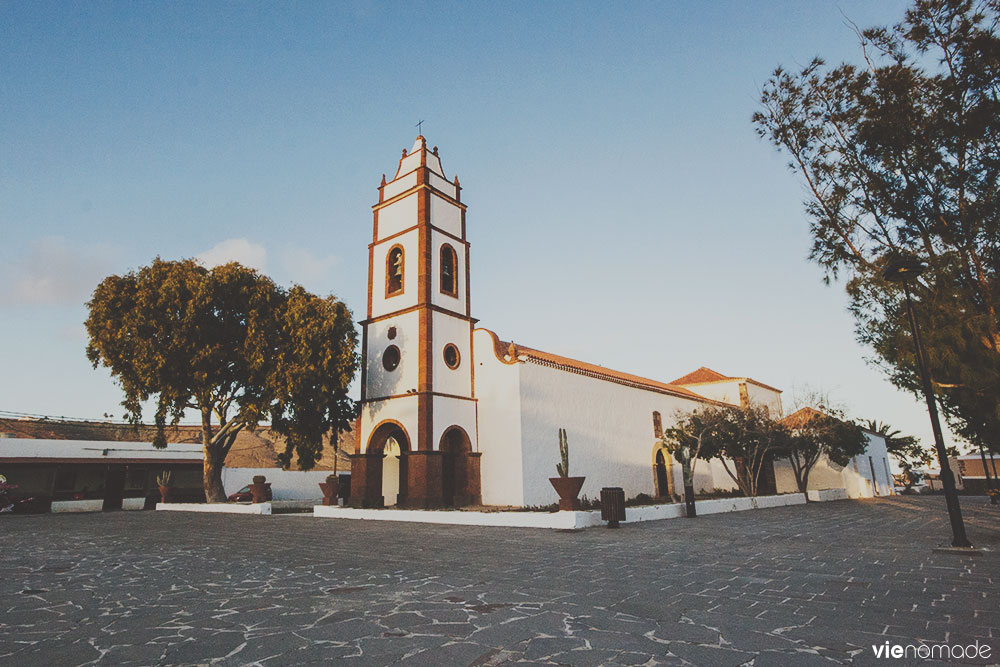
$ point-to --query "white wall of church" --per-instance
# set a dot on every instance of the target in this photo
(379, 381)
(450, 412)
(499, 405)
(397, 186)
(408, 298)
(767, 397)
(442, 184)
(856, 477)
(446, 216)
(456, 381)
(434, 163)
(402, 410)
(716, 478)
(725, 392)
(437, 297)
(608, 425)
(410, 162)
(397, 216)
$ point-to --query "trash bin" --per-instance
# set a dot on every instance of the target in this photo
(612, 505)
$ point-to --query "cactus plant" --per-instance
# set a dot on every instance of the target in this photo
(563, 467)
(163, 479)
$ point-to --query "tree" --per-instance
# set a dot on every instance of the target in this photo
(901, 154)
(814, 434)
(231, 345)
(905, 448)
(692, 434)
(745, 441)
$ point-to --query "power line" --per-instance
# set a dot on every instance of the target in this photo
(10, 414)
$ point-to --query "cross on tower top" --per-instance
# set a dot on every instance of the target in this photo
(419, 128)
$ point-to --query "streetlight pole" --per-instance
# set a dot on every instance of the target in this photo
(900, 269)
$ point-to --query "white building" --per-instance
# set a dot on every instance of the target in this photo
(88, 475)
(452, 415)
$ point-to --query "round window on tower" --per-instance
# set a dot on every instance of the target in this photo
(451, 356)
(390, 358)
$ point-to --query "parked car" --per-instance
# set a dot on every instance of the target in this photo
(244, 495)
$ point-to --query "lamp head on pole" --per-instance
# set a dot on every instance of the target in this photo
(900, 268)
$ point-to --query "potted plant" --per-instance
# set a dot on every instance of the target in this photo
(260, 489)
(567, 487)
(163, 481)
(330, 490)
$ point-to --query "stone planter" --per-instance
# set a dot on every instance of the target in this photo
(330, 490)
(568, 489)
(261, 492)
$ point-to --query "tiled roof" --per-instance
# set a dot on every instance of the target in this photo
(801, 417)
(522, 353)
(702, 375)
(708, 376)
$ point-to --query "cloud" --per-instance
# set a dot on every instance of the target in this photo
(306, 268)
(296, 264)
(56, 271)
(243, 251)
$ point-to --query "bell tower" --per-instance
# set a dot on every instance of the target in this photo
(417, 445)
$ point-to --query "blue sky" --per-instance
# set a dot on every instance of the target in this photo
(621, 208)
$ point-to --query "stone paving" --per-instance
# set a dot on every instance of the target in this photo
(805, 585)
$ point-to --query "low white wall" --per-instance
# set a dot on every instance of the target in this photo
(827, 494)
(654, 512)
(556, 520)
(285, 484)
(720, 505)
(133, 503)
(222, 508)
(95, 505)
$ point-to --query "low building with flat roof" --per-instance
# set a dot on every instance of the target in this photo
(92, 475)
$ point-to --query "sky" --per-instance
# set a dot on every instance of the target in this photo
(622, 209)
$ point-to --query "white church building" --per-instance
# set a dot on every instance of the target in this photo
(453, 415)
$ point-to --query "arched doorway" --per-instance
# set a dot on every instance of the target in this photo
(662, 481)
(385, 466)
(391, 453)
(459, 469)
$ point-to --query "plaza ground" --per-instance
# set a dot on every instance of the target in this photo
(803, 585)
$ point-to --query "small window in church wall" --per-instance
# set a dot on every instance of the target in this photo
(390, 358)
(394, 271)
(657, 425)
(449, 263)
(451, 356)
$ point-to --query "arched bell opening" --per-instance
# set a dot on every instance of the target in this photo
(460, 481)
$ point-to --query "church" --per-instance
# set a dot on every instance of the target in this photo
(453, 415)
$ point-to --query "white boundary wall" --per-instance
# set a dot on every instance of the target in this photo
(557, 520)
(93, 505)
(285, 484)
(222, 508)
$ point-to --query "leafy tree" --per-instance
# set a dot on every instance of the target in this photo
(901, 154)
(231, 345)
(814, 434)
(748, 439)
(905, 448)
(692, 435)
